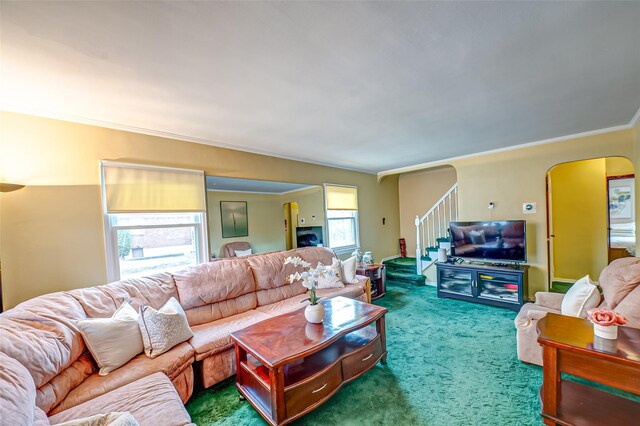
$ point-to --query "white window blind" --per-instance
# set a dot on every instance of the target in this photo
(133, 188)
(341, 197)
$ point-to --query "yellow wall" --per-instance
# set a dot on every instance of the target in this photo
(310, 206)
(510, 178)
(52, 232)
(578, 214)
(618, 166)
(418, 192)
(266, 232)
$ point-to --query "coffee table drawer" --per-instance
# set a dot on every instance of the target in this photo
(302, 396)
(362, 360)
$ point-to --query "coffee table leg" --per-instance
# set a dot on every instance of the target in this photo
(380, 328)
(276, 377)
(550, 382)
(241, 356)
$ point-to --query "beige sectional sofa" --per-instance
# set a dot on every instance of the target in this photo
(40, 337)
(620, 285)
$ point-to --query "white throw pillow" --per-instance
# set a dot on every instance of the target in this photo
(335, 281)
(348, 270)
(163, 328)
(112, 341)
(108, 419)
(243, 252)
(582, 295)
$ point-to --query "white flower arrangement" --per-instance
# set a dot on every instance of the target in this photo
(309, 277)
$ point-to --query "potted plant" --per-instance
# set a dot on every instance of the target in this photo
(314, 312)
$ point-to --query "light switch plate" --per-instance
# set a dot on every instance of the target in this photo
(528, 208)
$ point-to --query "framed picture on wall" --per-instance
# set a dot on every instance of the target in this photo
(621, 198)
(234, 218)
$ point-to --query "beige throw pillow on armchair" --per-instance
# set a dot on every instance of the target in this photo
(163, 328)
(582, 296)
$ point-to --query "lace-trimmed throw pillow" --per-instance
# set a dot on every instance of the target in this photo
(334, 281)
(163, 328)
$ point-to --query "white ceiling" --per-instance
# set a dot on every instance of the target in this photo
(226, 184)
(363, 85)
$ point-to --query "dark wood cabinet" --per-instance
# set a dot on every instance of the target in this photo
(505, 287)
(376, 274)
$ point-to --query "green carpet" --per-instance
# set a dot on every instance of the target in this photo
(450, 363)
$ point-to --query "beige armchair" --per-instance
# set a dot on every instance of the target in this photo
(620, 284)
(229, 249)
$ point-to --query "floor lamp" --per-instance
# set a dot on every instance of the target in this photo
(6, 187)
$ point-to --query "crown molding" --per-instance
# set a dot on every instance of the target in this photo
(445, 161)
(169, 135)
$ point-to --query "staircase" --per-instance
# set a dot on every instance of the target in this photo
(432, 229)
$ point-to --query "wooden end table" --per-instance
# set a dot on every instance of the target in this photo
(376, 274)
(569, 346)
(287, 367)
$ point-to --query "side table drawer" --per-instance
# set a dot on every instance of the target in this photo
(302, 396)
(362, 359)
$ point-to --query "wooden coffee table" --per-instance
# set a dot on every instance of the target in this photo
(286, 366)
(569, 346)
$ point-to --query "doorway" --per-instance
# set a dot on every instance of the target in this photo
(591, 217)
(291, 213)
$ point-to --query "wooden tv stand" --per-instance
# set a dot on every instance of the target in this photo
(287, 367)
(506, 287)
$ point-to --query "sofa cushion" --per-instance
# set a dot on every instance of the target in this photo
(103, 300)
(41, 334)
(51, 393)
(214, 337)
(271, 275)
(352, 291)
(171, 363)
(17, 393)
(619, 279)
(215, 290)
(152, 400)
(315, 255)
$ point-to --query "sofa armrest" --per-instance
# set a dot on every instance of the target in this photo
(529, 317)
(549, 300)
(364, 280)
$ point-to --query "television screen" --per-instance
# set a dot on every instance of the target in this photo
(309, 236)
(495, 240)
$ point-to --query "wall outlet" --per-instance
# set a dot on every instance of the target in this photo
(528, 208)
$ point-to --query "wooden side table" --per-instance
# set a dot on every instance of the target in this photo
(569, 346)
(376, 274)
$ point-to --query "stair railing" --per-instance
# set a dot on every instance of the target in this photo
(434, 223)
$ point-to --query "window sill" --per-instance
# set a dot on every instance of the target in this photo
(344, 250)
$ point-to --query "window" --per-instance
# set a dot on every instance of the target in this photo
(342, 217)
(154, 219)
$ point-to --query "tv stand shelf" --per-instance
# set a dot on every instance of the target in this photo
(505, 287)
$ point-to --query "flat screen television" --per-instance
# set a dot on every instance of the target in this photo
(309, 236)
(498, 240)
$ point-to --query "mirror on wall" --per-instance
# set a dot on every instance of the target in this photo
(262, 215)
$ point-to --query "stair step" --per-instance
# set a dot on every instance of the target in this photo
(407, 264)
(405, 277)
(443, 240)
